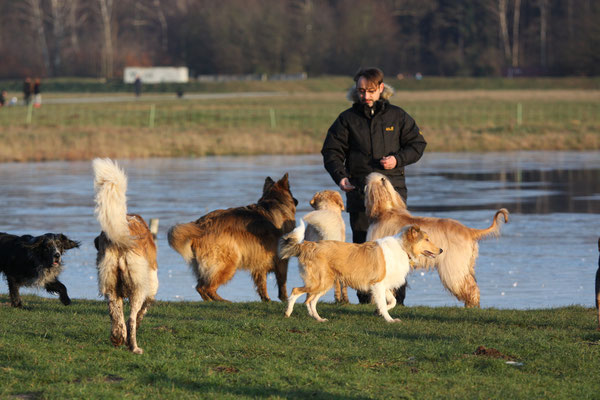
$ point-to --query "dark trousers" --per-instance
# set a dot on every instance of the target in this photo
(360, 225)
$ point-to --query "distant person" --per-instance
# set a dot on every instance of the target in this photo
(137, 86)
(418, 76)
(2, 98)
(27, 89)
(37, 93)
(371, 136)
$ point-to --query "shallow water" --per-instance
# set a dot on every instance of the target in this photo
(546, 256)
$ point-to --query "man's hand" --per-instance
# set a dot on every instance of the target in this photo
(345, 185)
(388, 162)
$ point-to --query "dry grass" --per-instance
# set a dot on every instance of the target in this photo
(469, 141)
(22, 144)
(83, 143)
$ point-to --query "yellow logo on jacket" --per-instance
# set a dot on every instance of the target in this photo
(389, 129)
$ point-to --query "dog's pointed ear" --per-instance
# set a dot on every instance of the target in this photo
(68, 243)
(284, 181)
(416, 232)
(412, 232)
(268, 184)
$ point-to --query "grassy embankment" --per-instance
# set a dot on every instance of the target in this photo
(542, 115)
(249, 350)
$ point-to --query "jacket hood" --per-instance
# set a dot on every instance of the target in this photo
(352, 94)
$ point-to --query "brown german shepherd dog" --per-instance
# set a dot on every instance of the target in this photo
(220, 242)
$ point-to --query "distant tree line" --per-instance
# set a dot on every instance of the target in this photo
(53, 38)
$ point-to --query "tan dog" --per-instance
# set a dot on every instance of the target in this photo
(456, 267)
(326, 223)
(221, 242)
(126, 257)
(377, 267)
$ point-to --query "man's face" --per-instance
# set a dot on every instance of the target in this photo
(367, 92)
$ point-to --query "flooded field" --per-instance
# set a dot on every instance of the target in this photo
(546, 256)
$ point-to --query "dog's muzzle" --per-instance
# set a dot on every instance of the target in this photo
(56, 258)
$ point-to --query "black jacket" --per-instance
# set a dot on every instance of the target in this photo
(357, 140)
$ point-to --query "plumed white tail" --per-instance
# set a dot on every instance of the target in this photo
(110, 185)
(289, 245)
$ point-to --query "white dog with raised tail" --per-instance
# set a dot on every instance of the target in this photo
(377, 267)
(126, 257)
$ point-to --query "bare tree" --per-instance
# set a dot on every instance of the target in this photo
(63, 17)
(106, 10)
(516, 19)
(543, 5)
(30, 11)
(511, 53)
(148, 13)
(501, 13)
(163, 25)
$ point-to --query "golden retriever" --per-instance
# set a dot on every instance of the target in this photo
(219, 243)
(126, 257)
(377, 267)
(456, 267)
(326, 223)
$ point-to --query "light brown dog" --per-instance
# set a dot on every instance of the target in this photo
(456, 267)
(377, 267)
(326, 223)
(126, 257)
(219, 243)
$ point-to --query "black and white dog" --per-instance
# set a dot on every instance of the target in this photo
(34, 261)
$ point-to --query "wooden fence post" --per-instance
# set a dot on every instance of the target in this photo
(152, 114)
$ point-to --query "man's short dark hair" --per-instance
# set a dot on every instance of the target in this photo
(373, 75)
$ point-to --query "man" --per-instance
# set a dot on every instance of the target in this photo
(27, 89)
(371, 136)
(137, 86)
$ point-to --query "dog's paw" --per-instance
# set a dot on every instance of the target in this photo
(66, 301)
(117, 340)
(393, 320)
(137, 350)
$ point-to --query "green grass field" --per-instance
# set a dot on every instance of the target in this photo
(454, 114)
(249, 350)
(293, 123)
(313, 113)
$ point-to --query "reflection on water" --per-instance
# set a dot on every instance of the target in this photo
(546, 256)
(554, 191)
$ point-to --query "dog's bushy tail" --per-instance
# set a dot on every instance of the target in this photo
(110, 185)
(494, 229)
(289, 245)
(180, 239)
